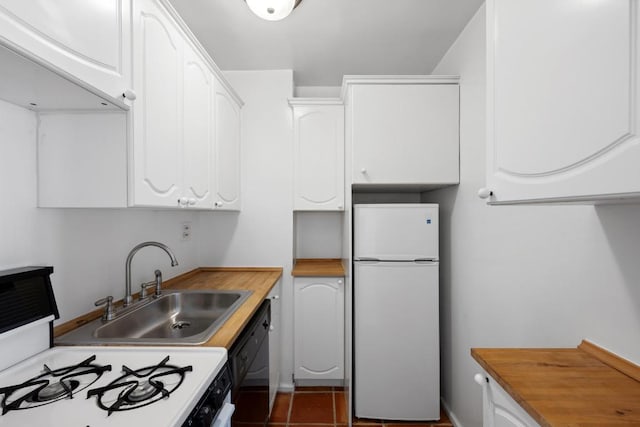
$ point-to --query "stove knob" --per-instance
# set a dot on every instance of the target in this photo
(205, 415)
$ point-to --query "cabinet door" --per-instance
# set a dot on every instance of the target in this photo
(500, 410)
(157, 114)
(404, 133)
(226, 157)
(274, 342)
(87, 40)
(318, 157)
(319, 328)
(562, 116)
(197, 130)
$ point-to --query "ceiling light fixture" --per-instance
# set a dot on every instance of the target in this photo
(272, 10)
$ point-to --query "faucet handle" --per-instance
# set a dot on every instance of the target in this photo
(109, 312)
(143, 289)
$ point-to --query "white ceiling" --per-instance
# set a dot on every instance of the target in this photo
(322, 40)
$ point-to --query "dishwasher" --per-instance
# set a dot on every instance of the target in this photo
(249, 357)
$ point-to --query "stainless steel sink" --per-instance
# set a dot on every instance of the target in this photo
(175, 318)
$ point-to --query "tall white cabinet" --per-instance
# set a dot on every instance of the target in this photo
(318, 146)
(403, 130)
(562, 103)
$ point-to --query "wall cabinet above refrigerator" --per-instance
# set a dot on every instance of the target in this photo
(402, 130)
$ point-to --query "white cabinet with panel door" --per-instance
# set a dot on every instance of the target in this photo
(562, 117)
(198, 131)
(498, 408)
(275, 338)
(318, 141)
(87, 41)
(403, 130)
(226, 154)
(173, 132)
(319, 329)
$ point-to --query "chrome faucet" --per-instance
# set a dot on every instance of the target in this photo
(128, 299)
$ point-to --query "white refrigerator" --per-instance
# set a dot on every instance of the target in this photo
(396, 321)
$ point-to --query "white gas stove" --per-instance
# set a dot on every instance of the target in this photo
(106, 386)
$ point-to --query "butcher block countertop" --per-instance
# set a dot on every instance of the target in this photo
(258, 280)
(318, 267)
(585, 386)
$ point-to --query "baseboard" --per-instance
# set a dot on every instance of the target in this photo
(286, 387)
(452, 417)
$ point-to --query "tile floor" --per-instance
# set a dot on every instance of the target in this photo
(325, 407)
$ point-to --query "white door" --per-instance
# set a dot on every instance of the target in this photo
(562, 116)
(404, 134)
(318, 157)
(319, 328)
(89, 40)
(157, 114)
(226, 156)
(396, 231)
(396, 341)
(198, 137)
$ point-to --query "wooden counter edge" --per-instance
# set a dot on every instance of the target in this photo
(610, 359)
(95, 314)
(318, 267)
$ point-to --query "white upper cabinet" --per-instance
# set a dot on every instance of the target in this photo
(226, 155)
(198, 135)
(157, 113)
(562, 95)
(318, 129)
(403, 130)
(87, 41)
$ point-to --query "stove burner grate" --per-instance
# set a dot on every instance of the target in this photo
(51, 386)
(140, 387)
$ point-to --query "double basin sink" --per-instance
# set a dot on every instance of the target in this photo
(177, 317)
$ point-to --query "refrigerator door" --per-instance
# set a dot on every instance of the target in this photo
(396, 341)
(396, 231)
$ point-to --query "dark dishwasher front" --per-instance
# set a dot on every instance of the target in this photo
(249, 358)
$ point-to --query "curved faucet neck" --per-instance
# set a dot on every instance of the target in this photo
(128, 299)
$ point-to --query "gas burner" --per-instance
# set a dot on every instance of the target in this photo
(52, 385)
(140, 387)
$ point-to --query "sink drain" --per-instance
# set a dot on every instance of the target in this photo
(181, 325)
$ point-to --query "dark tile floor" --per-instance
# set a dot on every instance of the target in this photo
(325, 407)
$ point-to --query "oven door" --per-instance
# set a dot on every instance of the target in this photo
(223, 419)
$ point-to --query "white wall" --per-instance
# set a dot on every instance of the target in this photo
(318, 234)
(262, 233)
(524, 276)
(87, 248)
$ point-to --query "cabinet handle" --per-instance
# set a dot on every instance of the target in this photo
(275, 297)
(129, 94)
(484, 193)
(183, 202)
(480, 379)
(271, 328)
(218, 204)
(340, 207)
(339, 282)
(363, 171)
(192, 202)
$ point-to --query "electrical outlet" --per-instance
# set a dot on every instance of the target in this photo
(186, 231)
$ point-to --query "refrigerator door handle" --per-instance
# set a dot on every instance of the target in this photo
(368, 260)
